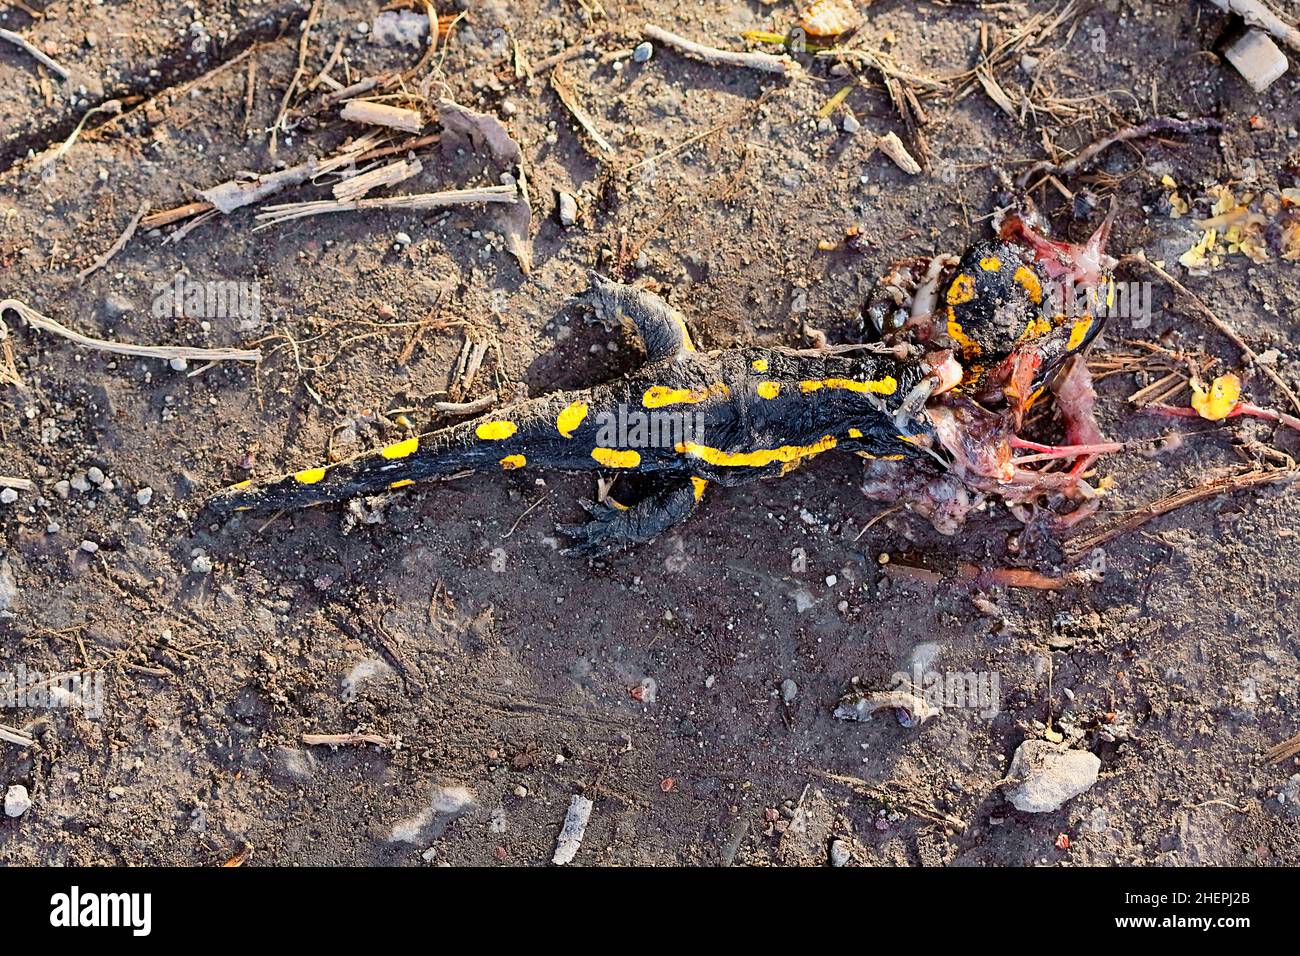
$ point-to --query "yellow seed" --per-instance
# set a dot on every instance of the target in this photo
(309, 476)
(616, 458)
(496, 431)
(401, 449)
(569, 419)
(511, 462)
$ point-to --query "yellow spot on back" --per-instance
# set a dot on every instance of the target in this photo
(990, 263)
(241, 484)
(569, 419)
(1037, 326)
(657, 396)
(309, 476)
(616, 457)
(758, 458)
(401, 449)
(759, 365)
(401, 483)
(882, 386)
(1029, 282)
(687, 344)
(855, 433)
(1078, 332)
(698, 485)
(961, 290)
(496, 431)
(969, 347)
(768, 389)
(511, 462)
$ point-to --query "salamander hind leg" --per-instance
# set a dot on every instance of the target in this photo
(667, 502)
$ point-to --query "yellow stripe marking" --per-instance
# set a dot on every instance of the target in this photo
(1029, 282)
(242, 484)
(1078, 332)
(768, 389)
(961, 290)
(569, 419)
(883, 386)
(616, 458)
(496, 431)
(657, 396)
(309, 476)
(969, 347)
(401, 449)
(698, 485)
(511, 462)
(759, 458)
(687, 344)
(401, 483)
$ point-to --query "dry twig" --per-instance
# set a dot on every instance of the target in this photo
(164, 352)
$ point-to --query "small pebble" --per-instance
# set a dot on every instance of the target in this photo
(144, 496)
(90, 547)
(178, 364)
(94, 475)
(789, 690)
(201, 564)
(840, 853)
(568, 210)
(52, 528)
(8, 496)
(644, 50)
(850, 124)
(402, 239)
(831, 580)
(17, 802)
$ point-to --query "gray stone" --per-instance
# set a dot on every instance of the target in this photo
(17, 802)
(1045, 775)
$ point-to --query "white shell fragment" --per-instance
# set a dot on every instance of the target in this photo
(574, 829)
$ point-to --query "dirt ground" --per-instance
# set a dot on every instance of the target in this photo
(504, 676)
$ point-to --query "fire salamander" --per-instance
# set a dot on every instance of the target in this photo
(684, 420)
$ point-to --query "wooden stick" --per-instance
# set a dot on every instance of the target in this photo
(784, 65)
(15, 736)
(15, 39)
(357, 186)
(117, 246)
(23, 484)
(284, 212)
(168, 216)
(1080, 546)
(381, 114)
(1258, 15)
(165, 352)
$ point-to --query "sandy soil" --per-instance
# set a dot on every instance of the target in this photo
(510, 676)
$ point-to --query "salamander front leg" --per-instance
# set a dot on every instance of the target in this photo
(612, 525)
